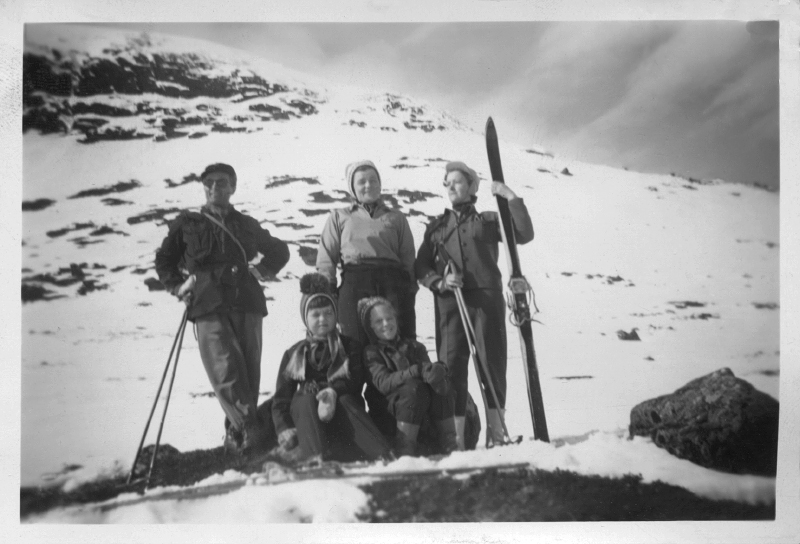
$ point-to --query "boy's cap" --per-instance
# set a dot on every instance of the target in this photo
(315, 285)
(220, 167)
(472, 176)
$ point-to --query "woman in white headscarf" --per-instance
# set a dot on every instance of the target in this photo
(374, 249)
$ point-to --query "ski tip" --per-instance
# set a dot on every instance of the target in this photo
(489, 123)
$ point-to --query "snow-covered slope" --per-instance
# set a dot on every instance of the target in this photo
(119, 126)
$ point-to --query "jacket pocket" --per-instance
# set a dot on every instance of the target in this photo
(199, 240)
(486, 228)
(207, 293)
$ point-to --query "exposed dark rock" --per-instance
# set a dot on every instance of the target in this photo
(308, 254)
(285, 180)
(717, 421)
(77, 226)
(415, 196)
(105, 229)
(113, 134)
(119, 187)
(311, 213)
(91, 285)
(36, 205)
(98, 108)
(704, 316)
(219, 127)
(153, 284)
(32, 292)
(622, 335)
(152, 215)
(681, 304)
(304, 107)
(535, 152)
(295, 226)
(573, 377)
(390, 201)
(320, 197)
(566, 171)
(766, 305)
(115, 202)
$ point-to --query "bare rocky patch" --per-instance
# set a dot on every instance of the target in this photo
(119, 187)
(36, 205)
(278, 181)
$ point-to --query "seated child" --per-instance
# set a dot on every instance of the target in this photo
(318, 392)
(401, 371)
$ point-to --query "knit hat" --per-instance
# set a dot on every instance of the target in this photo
(220, 167)
(314, 286)
(365, 306)
(472, 176)
(350, 171)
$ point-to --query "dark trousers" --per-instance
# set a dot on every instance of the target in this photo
(415, 399)
(486, 310)
(351, 430)
(230, 348)
(359, 281)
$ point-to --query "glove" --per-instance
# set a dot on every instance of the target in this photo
(184, 290)
(435, 375)
(288, 439)
(327, 404)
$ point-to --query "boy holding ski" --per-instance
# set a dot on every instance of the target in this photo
(460, 251)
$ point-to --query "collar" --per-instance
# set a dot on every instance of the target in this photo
(217, 212)
(379, 205)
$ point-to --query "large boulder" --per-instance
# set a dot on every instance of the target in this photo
(717, 421)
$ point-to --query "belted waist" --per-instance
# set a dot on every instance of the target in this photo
(373, 264)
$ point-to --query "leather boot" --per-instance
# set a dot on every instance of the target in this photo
(406, 439)
(461, 422)
(494, 426)
(255, 438)
(447, 435)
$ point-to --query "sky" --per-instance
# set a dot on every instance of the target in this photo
(697, 98)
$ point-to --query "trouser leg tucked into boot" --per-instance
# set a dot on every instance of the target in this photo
(494, 426)
(406, 439)
(447, 435)
(460, 422)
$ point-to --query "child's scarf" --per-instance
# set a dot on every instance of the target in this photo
(394, 352)
(333, 358)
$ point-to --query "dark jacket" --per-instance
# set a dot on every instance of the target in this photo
(391, 364)
(471, 241)
(345, 375)
(202, 248)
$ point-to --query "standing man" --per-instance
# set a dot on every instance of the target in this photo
(204, 261)
(460, 250)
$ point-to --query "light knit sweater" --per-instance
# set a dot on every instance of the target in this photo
(352, 236)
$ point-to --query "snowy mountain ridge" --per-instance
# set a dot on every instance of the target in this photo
(153, 86)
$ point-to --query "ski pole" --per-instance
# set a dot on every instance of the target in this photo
(481, 367)
(158, 393)
(166, 403)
